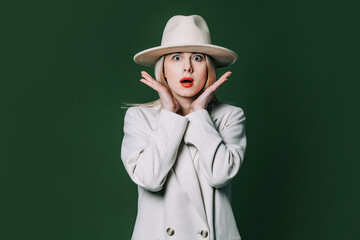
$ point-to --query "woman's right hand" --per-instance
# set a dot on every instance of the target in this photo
(167, 100)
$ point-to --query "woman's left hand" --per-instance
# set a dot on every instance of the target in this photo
(205, 98)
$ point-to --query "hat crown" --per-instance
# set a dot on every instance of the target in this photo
(186, 34)
(186, 30)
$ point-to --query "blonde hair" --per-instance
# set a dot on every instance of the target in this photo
(159, 76)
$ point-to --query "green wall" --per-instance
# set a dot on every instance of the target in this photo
(67, 67)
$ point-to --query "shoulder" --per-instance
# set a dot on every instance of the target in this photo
(221, 110)
(225, 115)
(144, 111)
(139, 118)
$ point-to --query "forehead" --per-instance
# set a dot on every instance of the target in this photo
(183, 54)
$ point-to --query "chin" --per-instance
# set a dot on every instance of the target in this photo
(188, 93)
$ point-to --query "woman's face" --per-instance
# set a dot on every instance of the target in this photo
(179, 66)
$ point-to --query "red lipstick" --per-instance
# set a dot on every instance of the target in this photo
(187, 82)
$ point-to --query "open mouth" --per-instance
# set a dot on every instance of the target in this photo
(187, 82)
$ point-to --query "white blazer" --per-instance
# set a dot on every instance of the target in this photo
(183, 166)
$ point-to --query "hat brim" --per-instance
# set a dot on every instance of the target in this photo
(221, 56)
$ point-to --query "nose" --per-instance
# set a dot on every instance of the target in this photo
(187, 66)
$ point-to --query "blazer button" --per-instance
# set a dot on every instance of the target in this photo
(170, 231)
(204, 233)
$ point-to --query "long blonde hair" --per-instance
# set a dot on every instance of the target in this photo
(159, 76)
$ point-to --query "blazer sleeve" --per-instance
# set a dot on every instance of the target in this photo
(221, 152)
(149, 154)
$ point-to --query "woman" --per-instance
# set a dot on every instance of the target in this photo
(184, 149)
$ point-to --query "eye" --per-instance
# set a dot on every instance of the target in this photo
(176, 57)
(198, 58)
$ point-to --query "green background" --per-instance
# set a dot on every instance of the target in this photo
(67, 67)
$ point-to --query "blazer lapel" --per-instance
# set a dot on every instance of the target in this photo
(185, 171)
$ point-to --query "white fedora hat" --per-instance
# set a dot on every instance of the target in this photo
(186, 34)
